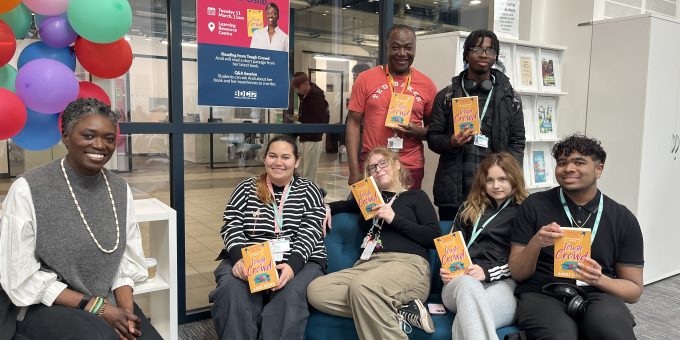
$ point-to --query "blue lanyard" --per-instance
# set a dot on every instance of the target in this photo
(476, 232)
(488, 99)
(597, 217)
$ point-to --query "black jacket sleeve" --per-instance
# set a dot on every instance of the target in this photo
(517, 136)
(350, 206)
(438, 133)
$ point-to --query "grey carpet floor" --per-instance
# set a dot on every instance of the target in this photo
(657, 315)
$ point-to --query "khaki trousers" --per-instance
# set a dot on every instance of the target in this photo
(372, 291)
(309, 159)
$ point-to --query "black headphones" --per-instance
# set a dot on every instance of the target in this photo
(574, 297)
(484, 86)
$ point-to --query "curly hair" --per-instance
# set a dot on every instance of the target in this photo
(82, 107)
(478, 200)
(404, 175)
(582, 144)
(473, 38)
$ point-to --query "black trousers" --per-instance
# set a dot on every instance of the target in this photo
(60, 323)
(544, 317)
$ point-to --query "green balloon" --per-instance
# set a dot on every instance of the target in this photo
(100, 21)
(8, 74)
(19, 19)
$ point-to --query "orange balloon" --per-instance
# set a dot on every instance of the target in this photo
(8, 5)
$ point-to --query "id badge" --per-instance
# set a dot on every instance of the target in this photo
(395, 143)
(580, 283)
(365, 241)
(370, 246)
(282, 244)
(481, 141)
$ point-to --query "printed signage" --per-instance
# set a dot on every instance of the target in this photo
(243, 53)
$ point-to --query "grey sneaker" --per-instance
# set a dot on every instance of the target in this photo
(415, 314)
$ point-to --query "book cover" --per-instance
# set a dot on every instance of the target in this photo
(466, 114)
(260, 267)
(504, 63)
(255, 19)
(526, 72)
(367, 195)
(571, 248)
(399, 111)
(550, 70)
(545, 118)
(539, 167)
(453, 253)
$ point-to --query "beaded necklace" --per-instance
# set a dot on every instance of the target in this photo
(87, 226)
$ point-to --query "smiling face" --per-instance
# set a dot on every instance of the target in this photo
(384, 172)
(498, 185)
(401, 50)
(280, 163)
(272, 15)
(578, 173)
(480, 63)
(90, 143)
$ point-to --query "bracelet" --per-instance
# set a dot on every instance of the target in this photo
(101, 310)
(97, 305)
(84, 301)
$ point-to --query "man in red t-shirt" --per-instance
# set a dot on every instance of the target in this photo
(370, 100)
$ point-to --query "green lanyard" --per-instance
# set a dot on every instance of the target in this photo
(476, 232)
(488, 99)
(597, 217)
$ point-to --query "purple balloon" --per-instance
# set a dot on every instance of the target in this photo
(57, 32)
(46, 85)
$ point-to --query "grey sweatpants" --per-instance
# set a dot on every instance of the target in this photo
(480, 307)
(238, 314)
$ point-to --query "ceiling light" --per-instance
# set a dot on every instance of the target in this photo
(475, 2)
(323, 57)
(408, 6)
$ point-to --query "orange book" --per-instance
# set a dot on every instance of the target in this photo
(367, 195)
(570, 249)
(260, 267)
(453, 253)
(399, 111)
(466, 114)
(255, 20)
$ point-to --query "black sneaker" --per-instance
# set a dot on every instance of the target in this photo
(415, 314)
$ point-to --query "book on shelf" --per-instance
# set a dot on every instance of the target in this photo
(260, 267)
(550, 70)
(367, 195)
(453, 253)
(541, 164)
(526, 166)
(399, 111)
(526, 68)
(570, 249)
(546, 110)
(504, 63)
(528, 113)
(466, 114)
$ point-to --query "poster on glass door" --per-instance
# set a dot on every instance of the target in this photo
(243, 53)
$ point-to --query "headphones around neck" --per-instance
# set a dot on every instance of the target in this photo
(574, 298)
(484, 86)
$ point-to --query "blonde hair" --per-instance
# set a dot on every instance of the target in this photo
(392, 158)
(478, 201)
(261, 189)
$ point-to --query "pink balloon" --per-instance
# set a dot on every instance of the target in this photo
(91, 90)
(47, 7)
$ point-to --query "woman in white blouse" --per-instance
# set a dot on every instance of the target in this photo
(70, 246)
(270, 37)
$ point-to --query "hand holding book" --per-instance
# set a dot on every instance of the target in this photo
(286, 275)
(547, 235)
(590, 271)
(461, 138)
(385, 212)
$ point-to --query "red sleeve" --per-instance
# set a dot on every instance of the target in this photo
(357, 100)
(429, 100)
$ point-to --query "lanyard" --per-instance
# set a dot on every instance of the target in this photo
(278, 212)
(597, 217)
(375, 219)
(476, 232)
(488, 98)
(390, 81)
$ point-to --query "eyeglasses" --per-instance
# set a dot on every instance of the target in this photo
(373, 168)
(491, 52)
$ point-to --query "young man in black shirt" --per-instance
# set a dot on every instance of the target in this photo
(613, 271)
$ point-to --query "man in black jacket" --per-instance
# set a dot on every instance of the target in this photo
(313, 109)
(502, 123)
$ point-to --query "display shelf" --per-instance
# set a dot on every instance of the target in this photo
(162, 291)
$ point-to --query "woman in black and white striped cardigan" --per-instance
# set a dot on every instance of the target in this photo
(276, 205)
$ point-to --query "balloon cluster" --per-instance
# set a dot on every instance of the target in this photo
(33, 94)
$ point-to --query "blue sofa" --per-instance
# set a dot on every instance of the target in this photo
(343, 247)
